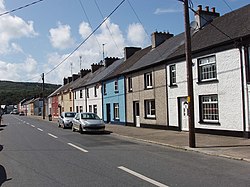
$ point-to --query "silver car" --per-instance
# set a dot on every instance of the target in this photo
(87, 122)
(65, 119)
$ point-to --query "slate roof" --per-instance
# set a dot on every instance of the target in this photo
(159, 53)
(235, 24)
(129, 62)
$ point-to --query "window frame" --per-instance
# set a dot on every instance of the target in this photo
(80, 94)
(150, 112)
(95, 109)
(148, 80)
(95, 91)
(130, 84)
(116, 111)
(211, 75)
(116, 86)
(104, 88)
(87, 92)
(212, 104)
(172, 75)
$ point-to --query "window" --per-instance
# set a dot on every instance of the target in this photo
(116, 85)
(150, 108)
(95, 91)
(207, 69)
(62, 97)
(209, 108)
(77, 109)
(90, 108)
(172, 73)
(116, 111)
(70, 95)
(95, 109)
(80, 93)
(70, 109)
(148, 80)
(75, 94)
(104, 89)
(81, 109)
(130, 87)
(87, 92)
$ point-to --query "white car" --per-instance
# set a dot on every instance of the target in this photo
(87, 122)
(65, 119)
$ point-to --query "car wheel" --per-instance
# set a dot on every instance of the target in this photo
(73, 129)
(63, 126)
(59, 125)
(80, 129)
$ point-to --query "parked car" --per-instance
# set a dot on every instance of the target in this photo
(65, 119)
(87, 122)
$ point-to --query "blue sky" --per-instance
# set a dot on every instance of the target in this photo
(35, 39)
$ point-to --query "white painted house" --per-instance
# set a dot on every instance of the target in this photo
(220, 56)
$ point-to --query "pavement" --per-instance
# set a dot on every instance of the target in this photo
(223, 146)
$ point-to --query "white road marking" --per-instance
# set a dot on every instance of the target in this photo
(32, 125)
(142, 177)
(52, 135)
(39, 129)
(27, 123)
(79, 148)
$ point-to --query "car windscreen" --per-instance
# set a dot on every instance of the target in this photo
(70, 115)
(89, 116)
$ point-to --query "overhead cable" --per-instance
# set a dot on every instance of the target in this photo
(25, 6)
(86, 38)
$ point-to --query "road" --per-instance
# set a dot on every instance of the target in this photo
(38, 153)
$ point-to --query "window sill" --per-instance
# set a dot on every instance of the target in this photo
(116, 91)
(208, 81)
(148, 88)
(209, 123)
(152, 118)
(130, 91)
(173, 86)
(116, 120)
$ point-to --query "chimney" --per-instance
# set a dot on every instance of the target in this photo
(65, 81)
(95, 67)
(109, 60)
(84, 72)
(75, 76)
(70, 79)
(203, 17)
(129, 51)
(159, 37)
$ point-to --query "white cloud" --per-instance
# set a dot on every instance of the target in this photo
(84, 29)
(13, 27)
(136, 34)
(60, 37)
(167, 10)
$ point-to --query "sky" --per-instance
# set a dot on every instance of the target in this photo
(36, 39)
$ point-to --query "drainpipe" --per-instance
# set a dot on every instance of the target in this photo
(242, 91)
(125, 99)
(246, 59)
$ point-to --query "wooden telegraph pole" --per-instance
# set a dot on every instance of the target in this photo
(43, 97)
(189, 77)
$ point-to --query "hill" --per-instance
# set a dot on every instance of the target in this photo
(11, 93)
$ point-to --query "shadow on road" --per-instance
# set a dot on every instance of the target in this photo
(222, 146)
(98, 132)
(3, 175)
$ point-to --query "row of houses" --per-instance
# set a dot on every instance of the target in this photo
(148, 87)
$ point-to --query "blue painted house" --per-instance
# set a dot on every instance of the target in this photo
(114, 88)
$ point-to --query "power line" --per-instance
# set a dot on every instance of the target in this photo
(86, 38)
(107, 27)
(228, 5)
(25, 6)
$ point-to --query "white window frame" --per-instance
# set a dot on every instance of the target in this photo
(116, 111)
(172, 73)
(149, 80)
(130, 84)
(150, 108)
(80, 93)
(104, 88)
(207, 69)
(95, 91)
(87, 92)
(209, 108)
(95, 109)
(116, 85)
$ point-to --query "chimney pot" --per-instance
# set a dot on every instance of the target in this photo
(199, 7)
(207, 8)
(213, 9)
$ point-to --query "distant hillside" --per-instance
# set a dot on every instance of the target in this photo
(12, 93)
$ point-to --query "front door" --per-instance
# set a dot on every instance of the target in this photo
(183, 114)
(108, 112)
(137, 113)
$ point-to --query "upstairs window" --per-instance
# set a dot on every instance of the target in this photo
(148, 80)
(104, 89)
(130, 86)
(116, 85)
(172, 73)
(80, 93)
(87, 92)
(95, 91)
(207, 69)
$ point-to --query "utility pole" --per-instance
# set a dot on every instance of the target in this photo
(189, 64)
(103, 53)
(43, 97)
(80, 62)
